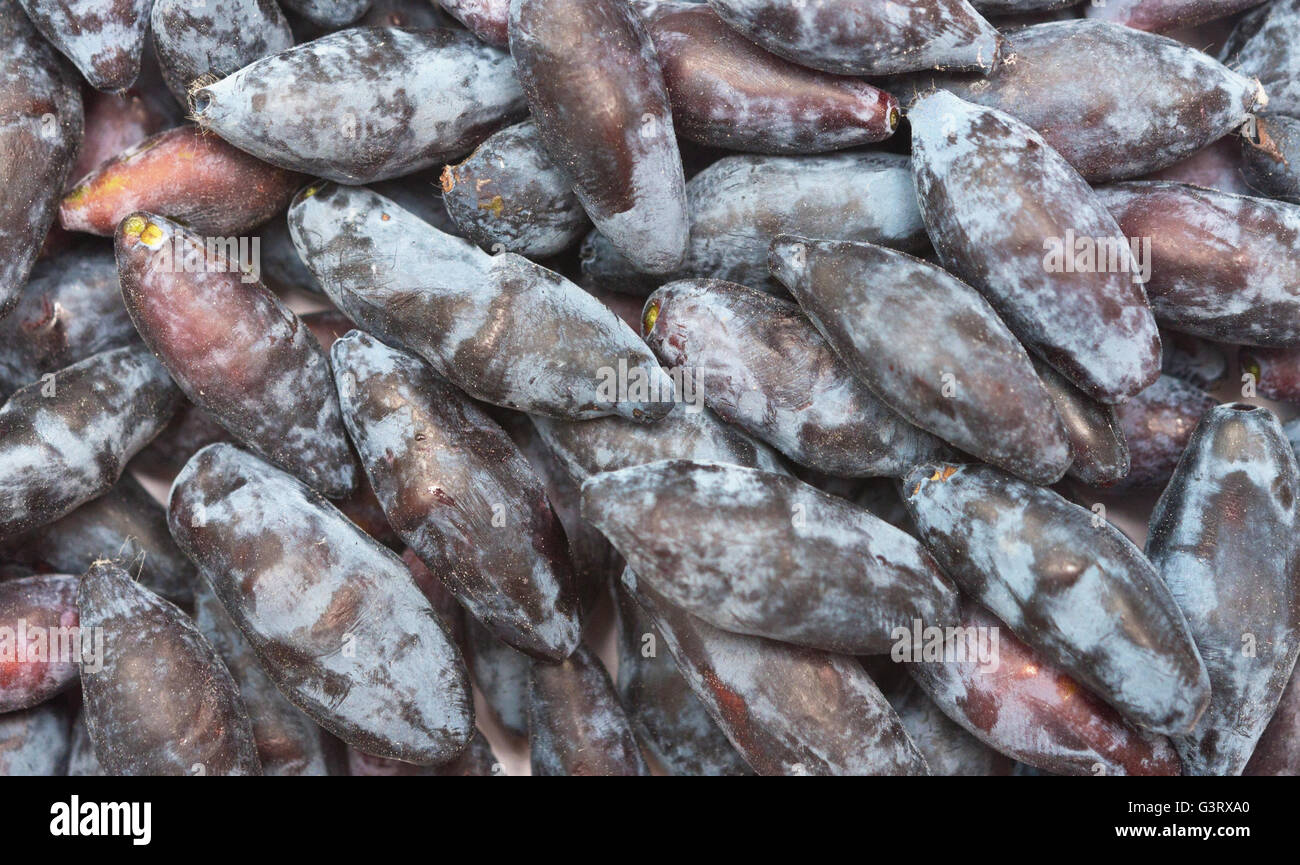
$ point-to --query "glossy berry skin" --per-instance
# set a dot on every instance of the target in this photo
(70, 309)
(799, 565)
(65, 439)
(1192, 359)
(41, 99)
(576, 725)
(508, 196)
(190, 430)
(1113, 101)
(183, 174)
(115, 122)
(201, 40)
(1067, 583)
(1098, 452)
(489, 20)
(1265, 44)
(1276, 371)
(1161, 16)
(1028, 708)
(334, 617)
(365, 104)
(1222, 537)
(1157, 424)
(994, 195)
(104, 40)
(948, 748)
(740, 203)
(930, 347)
(857, 37)
(1222, 266)
(727, 92)
(477, 761)
(788, 710)
(457, 490)
(761, 365)
(591, 75)
(235, 350)
(670, 721)
(163, 702)
(288, 742)
(501, 328)
(501, 673)
(41, 607)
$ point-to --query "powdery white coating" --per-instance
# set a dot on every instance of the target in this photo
(787, 709)
(1071, 586)
(197, 38)
(597, 95)
(508, 195)
(1266, 45)
(335, 618)
(364, 104)
(1223, 538)
(40, 101)
(797, 565)
(62, 450)
(1192, 359)
(1029, 709)
(1278, 749)
(288, 742)
(237, 351)
(489, 20)
(861, 37)
(576, 725)
(588, 448)
(739, 203)
(70, 309)
(47, 603)
(728, 92)
(159, 701)
(500, 672)
(670, 721)
(1157, 424)
(930, 347)
(992, 192)
(328, 13)
(457, 490)
(760, 364)
(34, 742)
(1113, 101)
(948, 748)
(1223, 266)
(104, 38)
(501, 328)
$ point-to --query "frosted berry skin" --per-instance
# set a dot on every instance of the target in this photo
(787, 709)
(931, 348)
(948, 748)
(191, 429)
(40, 98)
(1067, 583)
(301, 582)
(125, 523)
(799, 565)
(457, 490)
(185, 175)
(489, 20)
(760, 364)
(65, 439)
(1030, 709)
(994, 196)
(1192, 359)
(1114, 102)
(1098, 451)
(160, 701)
(47, 604)
(477, 761)
(508, 196)
(500, 672)
(70, 309)
(858, 37)
(1265, 44)
(576, 725)
(597, 95)
(328, 13)
(1222, 537)
(1157, 424)
(210, 39)
(1161, 16)
(501, 328)
(288, 742)
(1222, 266)
(235, 350)
(727, 92)
(103, 39)
(34, 742)
(1278, 749)
(739, 203)
(670, 721)
(365, 104)
(1271, 158)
